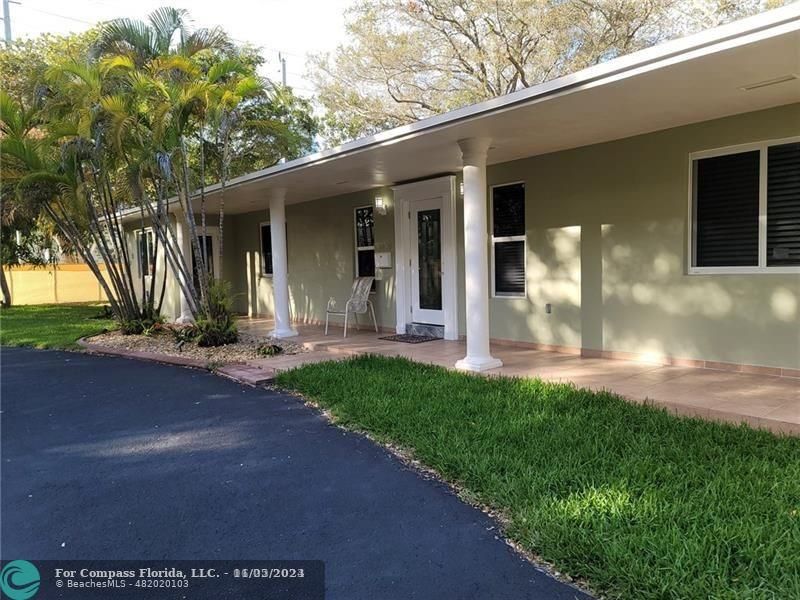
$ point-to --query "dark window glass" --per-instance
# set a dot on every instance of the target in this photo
(508, 210)
(266, 250)
(364, 227)
(429, 242)
(783, 205)
(509, 269)
(145, 243)
(208, 242)
(726, 210)
(366, 263)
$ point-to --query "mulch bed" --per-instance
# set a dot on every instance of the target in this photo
(163, 342)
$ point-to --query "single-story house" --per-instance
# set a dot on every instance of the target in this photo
(647, 207)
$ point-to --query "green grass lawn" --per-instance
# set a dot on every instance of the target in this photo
(637, 502)
(50, 325)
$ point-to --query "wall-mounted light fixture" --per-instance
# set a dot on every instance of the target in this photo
(380, 205)
(461, 189)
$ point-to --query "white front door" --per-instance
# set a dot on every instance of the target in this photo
(425, 251)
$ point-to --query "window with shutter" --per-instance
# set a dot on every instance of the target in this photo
(745, 209)
(783, 205)
(726, 210)
(508, 239)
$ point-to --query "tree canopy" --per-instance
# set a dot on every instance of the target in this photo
(142, 115)
(409, 59)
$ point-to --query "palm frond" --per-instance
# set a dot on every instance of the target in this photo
(122, 36)
(25, 152)
(205, 39)
(165, 23)
(223, 69)
(116, 61)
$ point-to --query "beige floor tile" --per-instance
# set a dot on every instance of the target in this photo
(759, 400)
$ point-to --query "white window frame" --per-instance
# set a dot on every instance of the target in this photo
(139, 233)
(508, 238)
(762, 267)
(261, 263)
(355, 238)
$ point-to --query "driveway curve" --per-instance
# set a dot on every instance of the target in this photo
(107, 458)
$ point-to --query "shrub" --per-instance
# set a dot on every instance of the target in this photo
(131, 327)
(145, 325)
(269, 350)
(184, 333)
(218, 326)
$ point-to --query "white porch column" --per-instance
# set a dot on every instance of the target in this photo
(280, 280)
(185, 247)
(476, 262)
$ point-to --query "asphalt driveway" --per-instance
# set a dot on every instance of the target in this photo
(117, 459)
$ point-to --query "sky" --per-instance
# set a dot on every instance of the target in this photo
(292, 27)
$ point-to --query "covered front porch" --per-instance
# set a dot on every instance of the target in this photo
(761, 401)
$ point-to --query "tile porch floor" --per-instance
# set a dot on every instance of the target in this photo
(760, 400)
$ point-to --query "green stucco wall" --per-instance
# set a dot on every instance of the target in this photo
(607, 246)
(607, 238)
(321, 257)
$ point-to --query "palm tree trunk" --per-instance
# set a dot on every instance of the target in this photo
(6, 302)
(223, 182)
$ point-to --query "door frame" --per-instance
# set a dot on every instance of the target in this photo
(444, 187)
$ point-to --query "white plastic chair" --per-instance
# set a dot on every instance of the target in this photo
(357, 304)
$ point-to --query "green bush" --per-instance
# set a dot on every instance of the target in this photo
(131, 327)
(218, 326)
(146, 325)
(184, 333)
(269, 350)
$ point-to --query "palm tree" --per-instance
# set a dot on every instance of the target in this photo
(16, 123)
(232, 83)
(45, 180)
(162, 57)
(166, 32)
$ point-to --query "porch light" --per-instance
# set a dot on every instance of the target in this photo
(380, 205)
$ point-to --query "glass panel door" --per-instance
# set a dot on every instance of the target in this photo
(429, 246)
(425, 245)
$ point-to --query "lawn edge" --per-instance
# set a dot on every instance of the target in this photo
(408, 458)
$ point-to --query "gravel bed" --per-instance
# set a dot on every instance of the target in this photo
(163, 342)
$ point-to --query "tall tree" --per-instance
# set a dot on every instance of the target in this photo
(410, 59)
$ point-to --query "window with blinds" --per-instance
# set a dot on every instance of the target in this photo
(508, 239)
(726, 210)
(783, 205)
(746, 209)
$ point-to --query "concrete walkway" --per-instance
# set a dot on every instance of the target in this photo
(107, 458)
(759, 400)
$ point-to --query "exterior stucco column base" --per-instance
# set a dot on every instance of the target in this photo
(478, 363)
(283, 333)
